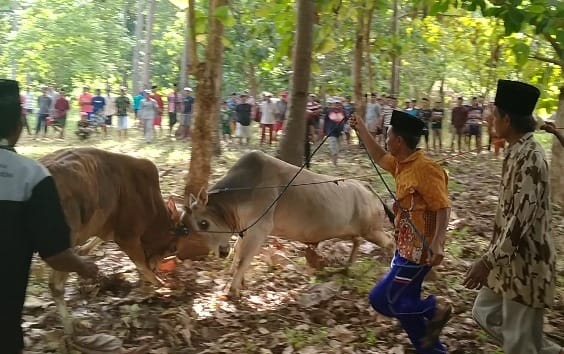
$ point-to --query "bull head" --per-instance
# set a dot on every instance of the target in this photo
(177, 226)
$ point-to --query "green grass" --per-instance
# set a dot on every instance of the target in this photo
(300, 338)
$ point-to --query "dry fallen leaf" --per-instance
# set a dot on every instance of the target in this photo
(97, 344)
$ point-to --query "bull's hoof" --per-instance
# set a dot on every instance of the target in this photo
(232, 293)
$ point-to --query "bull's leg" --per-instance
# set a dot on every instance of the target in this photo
(132, 247)
(250, 247)
(57, 286)
(354, 251)
(90, 245)
(236, 255)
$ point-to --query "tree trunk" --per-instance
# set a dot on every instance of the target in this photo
(557, 160)
(135, 68)
(395, 84)
(292, 144)
(253, 82)
(148, 44)
(205, 108)
(359, 100)
(216, 136)
(185, 62)
(367, 50)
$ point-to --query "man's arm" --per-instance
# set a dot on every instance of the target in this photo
(374, 149)
(551, 128)
(437, 246)
(50, 234)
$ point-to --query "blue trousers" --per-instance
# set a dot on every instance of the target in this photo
(398, 295)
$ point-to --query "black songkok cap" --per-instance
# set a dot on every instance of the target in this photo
(10, 104)
(403, 122)
(516, 97)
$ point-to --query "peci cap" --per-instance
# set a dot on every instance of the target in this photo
(403, 122)
(10, 104)
(516, 97)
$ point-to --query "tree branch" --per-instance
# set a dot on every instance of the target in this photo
(555, 45)
(547, 60)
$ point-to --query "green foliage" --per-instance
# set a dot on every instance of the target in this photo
(300, 338)
(469, 44)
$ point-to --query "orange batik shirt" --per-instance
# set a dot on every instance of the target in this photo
(422, 190)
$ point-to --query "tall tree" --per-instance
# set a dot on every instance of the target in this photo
(137, 81)
(207, 74)
(396, 60)
(148, 43)
(292, 144)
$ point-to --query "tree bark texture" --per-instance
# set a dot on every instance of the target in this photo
(136, 68)
(185, 62)
(367, 49)
(292, 144)
(359, 100)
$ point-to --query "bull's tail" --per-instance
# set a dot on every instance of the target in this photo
(389, 212)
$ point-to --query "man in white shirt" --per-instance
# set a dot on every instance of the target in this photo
(268, 117)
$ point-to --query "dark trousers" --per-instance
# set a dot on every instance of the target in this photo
(398, 295)
(41, 120)
(25, 123)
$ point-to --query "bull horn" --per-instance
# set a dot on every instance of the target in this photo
(202, 196)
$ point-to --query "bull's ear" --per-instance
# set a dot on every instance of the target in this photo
(171, 206)
(203, 196)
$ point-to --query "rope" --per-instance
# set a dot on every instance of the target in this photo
(286, 186)
(396, 202)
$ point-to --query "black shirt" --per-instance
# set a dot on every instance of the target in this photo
(31, 220)
(188, 103)
(243, 114)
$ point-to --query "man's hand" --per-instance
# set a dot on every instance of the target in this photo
(437, 255)
(477, 275)
(353, 121)
(549, 127)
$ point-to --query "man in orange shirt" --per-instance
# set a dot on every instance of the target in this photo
(421, 211)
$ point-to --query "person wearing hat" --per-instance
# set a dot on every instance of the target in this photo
(32, 221)
(421, 213)
(516, 276)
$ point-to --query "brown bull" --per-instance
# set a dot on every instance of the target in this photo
(116, 198)
(309, 213)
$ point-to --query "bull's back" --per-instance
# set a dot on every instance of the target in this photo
(99, 190)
